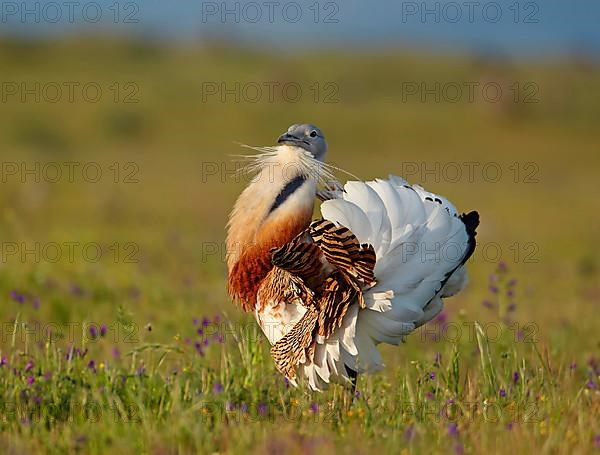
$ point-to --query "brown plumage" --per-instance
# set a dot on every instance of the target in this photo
(323, 249)
(254, 263)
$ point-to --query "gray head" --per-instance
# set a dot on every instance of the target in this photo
(305, 136)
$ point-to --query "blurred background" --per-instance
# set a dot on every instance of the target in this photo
(118, 121)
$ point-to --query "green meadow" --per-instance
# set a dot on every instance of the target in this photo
(117, 178)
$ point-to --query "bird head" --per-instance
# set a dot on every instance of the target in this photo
(305, 136)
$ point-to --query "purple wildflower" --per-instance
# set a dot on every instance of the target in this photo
(452, 429)
(511, 283)
(502, 393)
(512, 307)
(442, 318)
(573, 365)
(92, 365)
(116, 353)
(93, 332)
(30, 380)
(217, 319)
(459, 449)
(205, 321)
(48, 375)
(597, 441)
(510, 293)
(35, 303)
(29, 365)
(509, 426)
(103, 330)
(195, 321)
(489, 305)
(244, 408)
(409, 433)
(200, 331)
(37, 399)
(262, 409)
(218, 387)
(502, 267)
(516, 377)
(76, 290)
(3, 361)
(432, 376)
(591, 385)
(314, 408)
(17, 297)
(357, 395)
(493, 288)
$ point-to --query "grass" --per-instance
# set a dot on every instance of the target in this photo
(103, 353)
(212, 387)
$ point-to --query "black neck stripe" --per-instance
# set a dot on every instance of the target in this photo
(287, 191)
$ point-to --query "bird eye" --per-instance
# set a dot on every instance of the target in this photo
(313, 133)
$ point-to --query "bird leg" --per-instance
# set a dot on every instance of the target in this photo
(353, 377)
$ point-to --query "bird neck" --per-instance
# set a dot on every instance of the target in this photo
(275, 207)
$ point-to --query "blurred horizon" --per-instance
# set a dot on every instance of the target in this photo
(506, 29)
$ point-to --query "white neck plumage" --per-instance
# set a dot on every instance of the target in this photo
(278, 202)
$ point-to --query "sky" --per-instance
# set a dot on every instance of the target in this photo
(510, 28)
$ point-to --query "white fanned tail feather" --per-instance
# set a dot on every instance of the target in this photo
(421, 245)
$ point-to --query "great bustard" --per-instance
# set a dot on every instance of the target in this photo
(375, 267)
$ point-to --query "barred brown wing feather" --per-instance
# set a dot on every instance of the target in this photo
(290, 350)
(342, 249)
(299, 258)
(318, 227)
(365, 264)
(335, 299)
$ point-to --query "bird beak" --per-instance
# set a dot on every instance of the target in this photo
(290, 139)
(287, 138)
